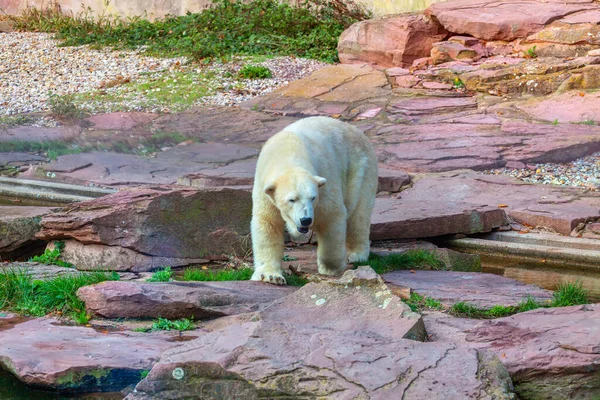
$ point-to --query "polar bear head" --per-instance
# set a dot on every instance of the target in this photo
(295, 192)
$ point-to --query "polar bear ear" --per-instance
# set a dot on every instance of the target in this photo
(269, 189)
(320, 181)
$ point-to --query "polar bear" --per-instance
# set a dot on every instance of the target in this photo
(317, 173)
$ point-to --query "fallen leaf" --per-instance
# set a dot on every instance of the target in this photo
(412, 271)
(581, 94)
(543, 261)
(502, 205)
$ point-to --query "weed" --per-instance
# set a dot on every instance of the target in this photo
(229, 27)
(52, 257)
(255, 72)
(163, 275)
(458, 83)
(288, 258)
(63, 109)
(144, 373)
(163, 324)
(570, 294)
(6, 121)
(555, 122)
(413, 259)
(528, 304)
(530, 53)
(590, 122)
(416, 302)
(20, 293)
(463, 309)
(51, 149)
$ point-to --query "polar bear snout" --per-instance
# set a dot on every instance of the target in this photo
(305, 222)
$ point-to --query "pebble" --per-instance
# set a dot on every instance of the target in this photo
(582, 173)
(33, 66)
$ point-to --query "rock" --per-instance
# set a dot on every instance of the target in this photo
(91, 257)
(391, 41)
(37, 271)
(432, 105)
(120, 121)
(407, 81)
(502, 20)
(565, 38)
(392, 180)
(47, 354)
(350, 336)
(550, 353)
(445, 328)
(162, 221)
(18, 226)
(564, 107)
(476, 288)
(200, 300)
(449, 51)
(6, 26)
(468, 203)
(240, 173)
(397, 71)
(436, 86)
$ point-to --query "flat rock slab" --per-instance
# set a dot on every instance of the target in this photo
(19, 159)
(469, 203)
(336, 340)
(47, 354)
(476, 288)
(37, 271)
(120, 120)
(200, 300)
(550, 353)
(18, 226)
(502, 20)
(162, 221)
(565, 107)
(38, 134)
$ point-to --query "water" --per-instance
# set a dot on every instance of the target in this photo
(12, 389)
(546, 275)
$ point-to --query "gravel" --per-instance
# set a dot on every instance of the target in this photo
(33, 66)
(582, 173)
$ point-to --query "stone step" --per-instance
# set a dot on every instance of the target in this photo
(544, 239)
(569, 258)
(53, 192)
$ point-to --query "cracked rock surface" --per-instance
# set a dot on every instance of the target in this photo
(341, 339)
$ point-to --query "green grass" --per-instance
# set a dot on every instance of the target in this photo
(413, 259)
(531, 53)
(20, 293)
(163, 324)
(255, 72)
(417, 303)
(566, 294)
(6, 121)
(569, 294)
(51, 148)
(589, 122)
(52, 257)
(228, 28)
(242, 274)
(164, 275)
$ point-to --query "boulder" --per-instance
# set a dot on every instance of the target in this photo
(337, 340)
(391, 41)
(479, 289)
(503, 20)
(18, 226)
(450, 51)
(48, 354)
(163, 221)
(200, 300)
(550, 353)
(37, 271)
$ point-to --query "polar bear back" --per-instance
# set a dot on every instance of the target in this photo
(332, 149)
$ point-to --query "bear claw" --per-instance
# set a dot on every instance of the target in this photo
(274, 278)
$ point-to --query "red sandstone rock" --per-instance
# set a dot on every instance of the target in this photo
(200, 300)
(48, 354)
(162, 221)
(502, 20)
(18, 226)
(336, 340)
(549, 353)
(391, 41)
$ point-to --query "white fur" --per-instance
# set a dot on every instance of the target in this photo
(329, 170)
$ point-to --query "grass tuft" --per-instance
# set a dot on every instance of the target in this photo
(570, 294)
(20, 293)
(164, 275)
(413, 259)
(241, 274)
(52, 257)
(255, 72)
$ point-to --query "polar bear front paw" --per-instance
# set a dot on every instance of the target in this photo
(269, 275)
